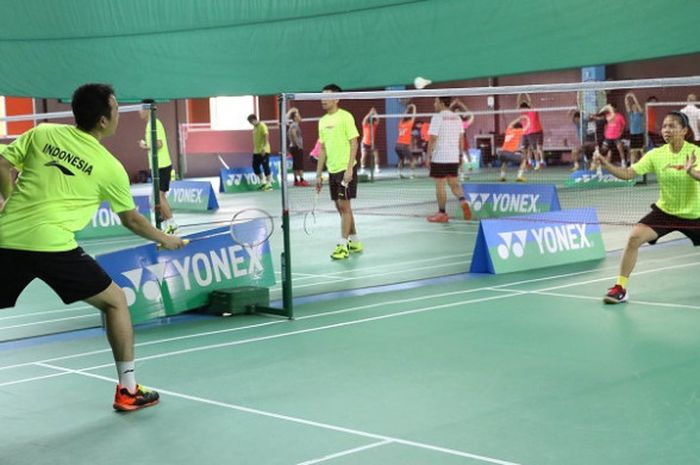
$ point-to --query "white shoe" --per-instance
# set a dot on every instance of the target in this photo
(377, 171)
(362, 171)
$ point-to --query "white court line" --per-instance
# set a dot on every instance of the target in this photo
(307, 330)
(402, 263)
(298, 420)
(385, 273)
(635, 301)
(55, 320)
(48, 312)
(337, 312)
(343, 453)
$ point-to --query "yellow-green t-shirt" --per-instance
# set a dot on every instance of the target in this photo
(679, 194)
(260, 142)
(66, 173)
(163, 152)
(335, 131)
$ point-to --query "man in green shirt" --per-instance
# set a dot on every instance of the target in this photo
(678, 207)
(65, 174)
(261, 152)
(338, 137)
(165, 167)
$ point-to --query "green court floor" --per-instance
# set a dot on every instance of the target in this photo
(400, 245)
(527, 368)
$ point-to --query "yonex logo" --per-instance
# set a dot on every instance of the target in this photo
(150, 288)
(505, 202)
(549, 240)
(585, 178)
(233, 179)
(513, 241)
(202, 269)
(477, 201)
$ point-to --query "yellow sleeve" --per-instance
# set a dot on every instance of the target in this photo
(645, 164)
(16, 152)
(320, 133)
(350, 128)
(118, 191)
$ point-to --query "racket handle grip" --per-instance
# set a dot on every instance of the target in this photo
(160, 246)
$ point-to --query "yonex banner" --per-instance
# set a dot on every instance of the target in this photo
(586, 179)
(161, 283)
(537, 241)
(245, 180)
(106, 223)
(192, 196)
(496, 200)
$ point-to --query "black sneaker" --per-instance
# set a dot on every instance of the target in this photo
(616, 295)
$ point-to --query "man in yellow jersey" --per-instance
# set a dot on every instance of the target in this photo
(678, 207)
(261, 152)
(165, 167)
(338, 137)
(65, 174)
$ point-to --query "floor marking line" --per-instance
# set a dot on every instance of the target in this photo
(362, 307)
(343, 453)
(56, 320)
(292, 419)
(48, 312)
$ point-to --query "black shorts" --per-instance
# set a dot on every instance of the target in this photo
(340, 192)
(403, 151)
(73, 275)
(164, 178)
(611, 143)
(297, 158)
(662, 223)
(636, 141)
(536, 139)
(444, 170)
(513, 157)
(366, 148)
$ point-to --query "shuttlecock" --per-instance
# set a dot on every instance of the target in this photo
(420, 82)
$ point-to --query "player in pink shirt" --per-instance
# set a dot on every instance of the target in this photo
(613, 133)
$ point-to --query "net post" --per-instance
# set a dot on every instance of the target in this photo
(155, 176)
(286, 257)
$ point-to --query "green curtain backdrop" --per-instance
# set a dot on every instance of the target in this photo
(199, 48)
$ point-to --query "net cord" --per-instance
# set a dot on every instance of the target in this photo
(504, 90)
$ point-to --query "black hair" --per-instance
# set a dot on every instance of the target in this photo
(518, 125)
(680, 117)
(447, 101)
(332, 88)
(252, 117)
(148, 100)
(652, 98)
(524, 105)
(577, 114)
(90, 102)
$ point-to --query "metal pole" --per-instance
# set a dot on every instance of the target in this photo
(286, 257)
(155, 176)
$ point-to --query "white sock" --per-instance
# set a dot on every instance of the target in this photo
(343, 241)
(127, 375)
(354, 238)
(520, 173)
